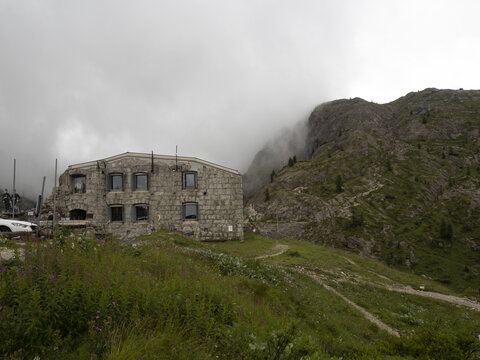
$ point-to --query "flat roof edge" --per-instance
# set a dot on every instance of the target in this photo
(155, 156)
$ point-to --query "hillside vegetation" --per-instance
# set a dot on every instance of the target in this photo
(170, 297)
(399, 182)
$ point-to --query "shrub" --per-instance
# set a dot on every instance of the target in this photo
(388, 165)
(430, 343)
(357, 218)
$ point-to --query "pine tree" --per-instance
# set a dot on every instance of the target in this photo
(389, 165)
(272, 176)
(339, 184)
(446, 230)
(357, 218)
(267, 195)
(449, 231)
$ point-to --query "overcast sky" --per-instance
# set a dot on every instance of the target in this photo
(83, 80)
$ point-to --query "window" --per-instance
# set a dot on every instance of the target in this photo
(115, 182)
(78, 214)
(140, 181)
(140, 212)
(190, 211)
(115, 213)
(189, 180)
(79, 184)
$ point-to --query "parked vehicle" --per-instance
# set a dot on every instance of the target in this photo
(8, 225)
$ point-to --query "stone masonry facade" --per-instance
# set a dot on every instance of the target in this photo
(136, 193)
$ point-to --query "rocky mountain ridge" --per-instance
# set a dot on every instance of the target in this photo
(398, 181)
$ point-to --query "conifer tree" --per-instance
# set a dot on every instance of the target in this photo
(339, 184)
(272, 176)
(267, 195)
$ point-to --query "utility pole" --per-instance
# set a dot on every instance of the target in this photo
(39, 207)
(13, 195)
(54, 199)
(176, 157)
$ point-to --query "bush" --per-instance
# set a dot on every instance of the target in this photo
(357, 218)
(429, 343)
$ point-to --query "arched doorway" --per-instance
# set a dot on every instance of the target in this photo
(78, 214)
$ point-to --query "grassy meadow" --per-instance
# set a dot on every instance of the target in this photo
(171, 297)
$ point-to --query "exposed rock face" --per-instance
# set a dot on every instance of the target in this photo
(329, 121)
(403, 167)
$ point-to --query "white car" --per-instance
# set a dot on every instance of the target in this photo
(8, 225)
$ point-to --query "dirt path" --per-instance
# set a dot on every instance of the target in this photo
(460, 301)
(279, 250)
(370, 317)
(433, 295)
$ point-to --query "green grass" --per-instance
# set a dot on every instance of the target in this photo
(410, 312)
(170, 297)
(252, 245)
(326, 258)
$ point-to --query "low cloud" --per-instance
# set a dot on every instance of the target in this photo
(89, 79)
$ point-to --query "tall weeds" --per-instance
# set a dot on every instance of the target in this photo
(79, 298)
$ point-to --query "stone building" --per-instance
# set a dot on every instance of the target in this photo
(136, 193)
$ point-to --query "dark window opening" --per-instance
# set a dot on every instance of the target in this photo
(140, 212)
(189, 180)
(190, 211)
(115, 213)
(79, 184)
(78, 214)
(115, 182)
(140, 181)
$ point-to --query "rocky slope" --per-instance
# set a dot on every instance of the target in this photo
(398, 181)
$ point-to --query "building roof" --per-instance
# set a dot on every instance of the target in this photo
(155, 156)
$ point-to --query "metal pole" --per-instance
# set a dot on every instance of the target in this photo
(39, 207)
(54, 199)
(176, 157)
(152, 162)
(13, 195)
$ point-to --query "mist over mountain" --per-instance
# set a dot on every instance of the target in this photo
(398, 181)
(274, 155)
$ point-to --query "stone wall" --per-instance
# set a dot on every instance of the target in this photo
(218, 193)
